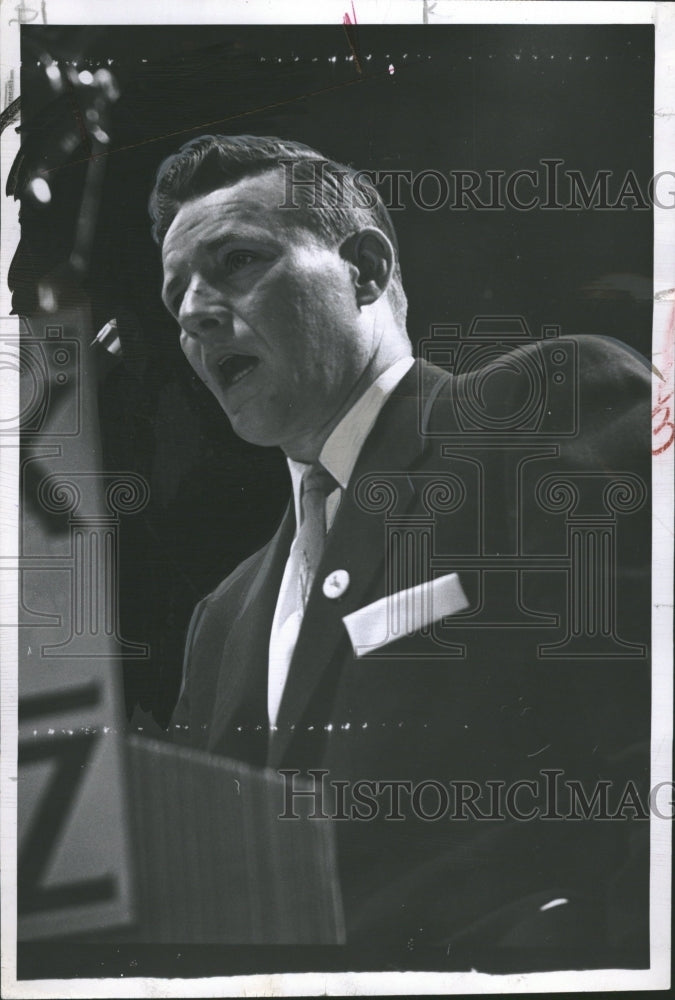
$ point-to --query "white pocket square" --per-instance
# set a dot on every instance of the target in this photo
(403, 613)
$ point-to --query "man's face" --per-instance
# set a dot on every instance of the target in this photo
(267, 310)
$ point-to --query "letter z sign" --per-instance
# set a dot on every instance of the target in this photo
(73, 852)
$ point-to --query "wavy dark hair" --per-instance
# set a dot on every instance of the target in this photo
(335, 200)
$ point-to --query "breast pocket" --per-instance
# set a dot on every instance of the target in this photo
(404, 613)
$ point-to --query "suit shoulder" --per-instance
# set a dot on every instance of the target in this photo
(238, 579)
(492, 385)
(603, 359)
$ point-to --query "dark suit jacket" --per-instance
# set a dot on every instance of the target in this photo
(529, 478)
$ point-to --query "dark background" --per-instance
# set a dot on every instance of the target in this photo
(460, 97)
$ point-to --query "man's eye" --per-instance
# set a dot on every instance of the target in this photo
(238, 259)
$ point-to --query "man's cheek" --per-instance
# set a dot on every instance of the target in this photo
(194, 361)
(291, 300)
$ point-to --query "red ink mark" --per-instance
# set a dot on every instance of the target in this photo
(347, 20)
(349, 24)
(664, 411)
(663, 426)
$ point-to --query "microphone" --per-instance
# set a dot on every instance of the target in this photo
(108, 338)
(120, 340)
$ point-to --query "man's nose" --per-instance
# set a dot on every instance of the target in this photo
(202, 310)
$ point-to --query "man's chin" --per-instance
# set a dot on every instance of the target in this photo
(253, 432)
(270, 429)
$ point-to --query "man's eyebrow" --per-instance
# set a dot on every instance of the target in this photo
(233, 236)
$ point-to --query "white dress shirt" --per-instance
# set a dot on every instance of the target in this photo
(338, 456)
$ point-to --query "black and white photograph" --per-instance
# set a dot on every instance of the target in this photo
(337, 447)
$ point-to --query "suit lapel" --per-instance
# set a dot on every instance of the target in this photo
(355, 544)
(245, 655)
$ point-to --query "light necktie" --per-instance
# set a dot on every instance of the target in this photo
(317, 483)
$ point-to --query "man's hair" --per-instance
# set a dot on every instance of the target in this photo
(334, 200)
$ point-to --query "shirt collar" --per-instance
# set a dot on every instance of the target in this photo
(344, 443)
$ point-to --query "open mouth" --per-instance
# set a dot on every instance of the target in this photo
(235, 367)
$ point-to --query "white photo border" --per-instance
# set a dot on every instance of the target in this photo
(662, 15)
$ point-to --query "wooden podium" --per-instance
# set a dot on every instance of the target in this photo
(214, 863)
(206, 859)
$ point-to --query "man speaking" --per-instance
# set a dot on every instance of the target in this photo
(447, 633)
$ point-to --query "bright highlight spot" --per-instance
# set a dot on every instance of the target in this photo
(552, 904)
(39, 188)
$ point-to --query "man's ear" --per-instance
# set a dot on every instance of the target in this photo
(372, 255)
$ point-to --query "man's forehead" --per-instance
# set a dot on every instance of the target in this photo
(253, 201)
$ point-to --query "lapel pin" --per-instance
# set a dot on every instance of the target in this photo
(336, 584)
